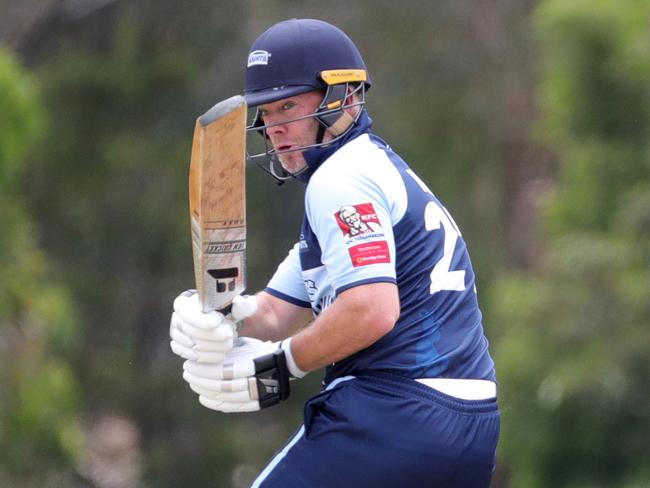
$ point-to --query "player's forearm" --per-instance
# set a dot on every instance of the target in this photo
(275, 319)
(356, 319)
(263, 325)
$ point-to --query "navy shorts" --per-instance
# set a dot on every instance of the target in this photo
(383, 430)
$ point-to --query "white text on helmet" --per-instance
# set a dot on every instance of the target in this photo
(258, 57)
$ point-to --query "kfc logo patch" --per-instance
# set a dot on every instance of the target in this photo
(357, 220)
(363, 234)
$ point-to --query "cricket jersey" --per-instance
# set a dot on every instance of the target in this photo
(370, 219)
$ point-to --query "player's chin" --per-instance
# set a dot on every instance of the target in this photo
(292, 163)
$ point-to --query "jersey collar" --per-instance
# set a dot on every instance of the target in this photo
(317, 155)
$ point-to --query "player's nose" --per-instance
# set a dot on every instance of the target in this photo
(276, 128)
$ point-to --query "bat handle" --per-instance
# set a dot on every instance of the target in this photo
(225, 310)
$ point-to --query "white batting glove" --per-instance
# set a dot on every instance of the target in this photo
(243, 306)
(198, 336)
(254, 375)
(205, 337)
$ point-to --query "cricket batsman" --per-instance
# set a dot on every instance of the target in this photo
(378, 291)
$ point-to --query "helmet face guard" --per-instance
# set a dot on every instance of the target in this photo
(332, 115)
(298, 56)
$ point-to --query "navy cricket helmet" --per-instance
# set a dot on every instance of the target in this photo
(300, 55)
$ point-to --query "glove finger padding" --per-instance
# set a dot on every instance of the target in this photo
(239, 362)
(197, 349)
(253, 376)
(193, 355)
(225, 397)
(228, 407)
(211, 388)
(189, 340)
(221, 332)
(198, 336)
(188, 307)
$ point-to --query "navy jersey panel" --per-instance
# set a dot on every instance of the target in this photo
(352, 430)
(439, 333)
(443, 329)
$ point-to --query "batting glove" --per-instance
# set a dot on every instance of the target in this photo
(202, 337)
(205, 337)
(254, 375)
(243, 306)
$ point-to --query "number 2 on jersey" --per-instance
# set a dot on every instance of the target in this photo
(442, 277)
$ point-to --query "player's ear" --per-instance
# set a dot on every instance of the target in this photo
(351, 95)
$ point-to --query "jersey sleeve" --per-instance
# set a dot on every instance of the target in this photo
(287, 282)
(351, 214)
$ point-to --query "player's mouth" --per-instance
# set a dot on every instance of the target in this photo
(283, 147)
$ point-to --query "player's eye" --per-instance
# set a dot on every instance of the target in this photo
(288, 105)
(262, 112)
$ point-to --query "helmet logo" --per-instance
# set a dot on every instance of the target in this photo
(258, 57)
(334, 76)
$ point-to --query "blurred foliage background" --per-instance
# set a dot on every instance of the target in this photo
(529, 119)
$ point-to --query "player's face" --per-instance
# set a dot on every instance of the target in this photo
(288, 135)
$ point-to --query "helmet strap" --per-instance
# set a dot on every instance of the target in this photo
(341, 125)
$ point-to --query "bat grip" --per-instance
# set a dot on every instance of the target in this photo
(225, 310)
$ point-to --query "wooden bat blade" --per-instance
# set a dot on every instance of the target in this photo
(217, 191)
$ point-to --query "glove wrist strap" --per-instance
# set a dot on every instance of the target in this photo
(293, 368)
(271, 378)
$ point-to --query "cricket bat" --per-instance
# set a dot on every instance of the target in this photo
(217, 194)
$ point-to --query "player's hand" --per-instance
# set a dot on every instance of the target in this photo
(254, 375)
(198, 336)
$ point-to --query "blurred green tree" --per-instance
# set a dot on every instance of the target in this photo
(573, 340)
(39, 399)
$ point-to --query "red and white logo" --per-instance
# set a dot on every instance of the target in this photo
(356, 220)
(360, 223)
(369, 253)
